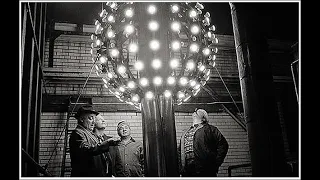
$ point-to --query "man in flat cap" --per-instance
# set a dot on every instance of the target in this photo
(131, 152)
(202, 148)
(86, 152)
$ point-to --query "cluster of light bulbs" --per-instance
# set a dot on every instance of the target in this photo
(115, 51)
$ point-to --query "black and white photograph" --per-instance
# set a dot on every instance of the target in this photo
(159, 89)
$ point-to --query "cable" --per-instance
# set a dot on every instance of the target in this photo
(84, 85)
(228, 92)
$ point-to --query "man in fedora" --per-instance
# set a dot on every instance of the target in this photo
(86, 152)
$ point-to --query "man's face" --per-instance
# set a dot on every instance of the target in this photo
(124, 130)
(195, 116)
(88, 121)
(100, 123)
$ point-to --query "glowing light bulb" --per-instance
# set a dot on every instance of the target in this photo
(174, 63)
(156, 64)
(135, 98)
(129, 29)
(129, 13)
(193, 13)
(175, 26)
(154, 45)
(110, 75)
(157, 80)
(192, 83)
(102, 59)
(144, 82)
(133, 47)
(122, 69)
(110, 34)
(152, 9)
(167, 93)
(194, 47)
(139, 65)
(149, 95)
(180, 95)
(174, 8)
(190, 65)
(131, 84)
(195, 29)
(202, 67)
(98, 42)
(114, 53)
(206, 51)
(153, 25)
(111, 19)
(175, 45)
(171, 80)
(197, 86)
(183, 81)
(122, 89)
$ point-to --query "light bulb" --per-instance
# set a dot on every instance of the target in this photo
(193, 13)
(149, 95)
(175, 45)
(175, 26)
(167, 93)
(171, 80)
(190, 65)
(174, 63)
(157, 80)
(144, 82)
(183, 81)
(129, 13)
(192, 83)
(139, 65)
(129, 29)
(131, 84)
(102, 59)
(206, 51)
(194, 47)
(133, 47)
(111, 19)
(135, 98)
(122, 69)
(174, 8)
(180, 95)
(202, 67)
(122, 89)
(156, 64)
(152, 9)
(110, 34)
(154, 45)
(153, 25)
(195, 29)
(114, 53)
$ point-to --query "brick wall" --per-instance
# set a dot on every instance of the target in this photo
(52, 125)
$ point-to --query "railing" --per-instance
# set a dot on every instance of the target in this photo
(35, 164)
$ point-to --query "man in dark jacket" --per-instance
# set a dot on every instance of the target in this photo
(86, 152)
(202, 148)
(114, 165)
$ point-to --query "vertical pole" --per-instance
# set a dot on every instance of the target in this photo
(159, 135)
(152, 138)
(257, 89)
(169, 136)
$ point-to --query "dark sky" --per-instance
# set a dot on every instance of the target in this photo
(280, 20)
